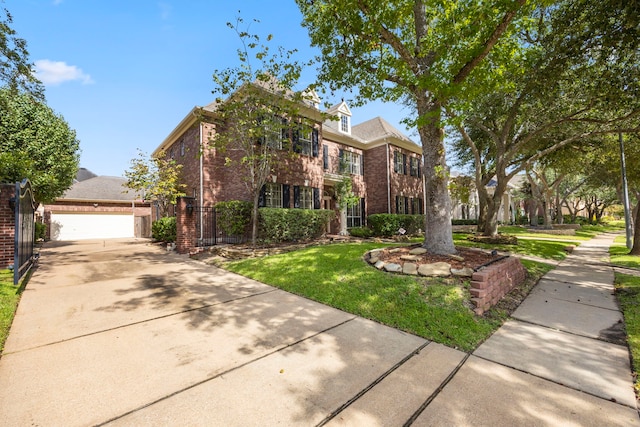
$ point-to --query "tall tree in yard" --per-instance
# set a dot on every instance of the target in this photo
(419, 52)
(260, 118)
(156, 179)
(577, 79)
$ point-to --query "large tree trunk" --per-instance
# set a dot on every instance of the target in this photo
(491, 219)
(635, 249)
(438, 237)
(482, 211)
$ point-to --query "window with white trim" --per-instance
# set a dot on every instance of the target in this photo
(344, 123)
(306, 198)
(273, 195)
(305, 140)
(354, 215)
(273, 132)
(415, 166)
(351, 163)
(402, 205)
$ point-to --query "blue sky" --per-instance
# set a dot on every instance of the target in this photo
(124, 73)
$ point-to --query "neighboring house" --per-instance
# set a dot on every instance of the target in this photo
(384, 165)
(97, 207)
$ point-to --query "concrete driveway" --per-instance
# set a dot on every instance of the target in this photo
(121, 332)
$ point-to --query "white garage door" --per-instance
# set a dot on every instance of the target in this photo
(91, 226)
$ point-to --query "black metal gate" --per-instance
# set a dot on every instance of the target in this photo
(209, 230)
(24, 230)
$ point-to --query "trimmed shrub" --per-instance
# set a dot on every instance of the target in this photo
(164, 229)
(40, 230)
(233, 217)
(362, 232)
(386, 225)
(291, 225)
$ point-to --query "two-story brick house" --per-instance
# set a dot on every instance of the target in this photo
(384, 165)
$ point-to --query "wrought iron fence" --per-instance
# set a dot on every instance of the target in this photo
(210, 231)
(24, 208)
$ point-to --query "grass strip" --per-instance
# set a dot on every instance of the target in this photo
(9, 298)
(437, 309)
(628, 294)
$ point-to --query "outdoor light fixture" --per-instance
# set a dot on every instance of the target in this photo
(12, 203)
(189, 208)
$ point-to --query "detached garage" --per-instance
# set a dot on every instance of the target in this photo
(97, 207)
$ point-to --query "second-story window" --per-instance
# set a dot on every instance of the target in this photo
(399, 162)
(275, 131)
(350, 162)
(415, 166)
(304, 140)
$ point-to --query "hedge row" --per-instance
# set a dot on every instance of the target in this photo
(386, 225)
(290, 225)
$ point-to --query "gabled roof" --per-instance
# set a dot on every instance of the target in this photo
(342, 108)
(84, 174)
(100, 188)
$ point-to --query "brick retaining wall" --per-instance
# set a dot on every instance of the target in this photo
(491, 283)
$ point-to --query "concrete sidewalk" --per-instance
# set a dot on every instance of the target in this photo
(123, 333)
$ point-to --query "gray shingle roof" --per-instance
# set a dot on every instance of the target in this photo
(375, 129)
(100, 188)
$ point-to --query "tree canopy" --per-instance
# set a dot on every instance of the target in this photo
(37, 144)
(419, 52)
(157, 179)
(16, 71)
(261, 118)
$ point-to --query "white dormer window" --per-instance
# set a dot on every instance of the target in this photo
(345, 126)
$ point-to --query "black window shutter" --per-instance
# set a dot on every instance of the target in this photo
(395, 162)
(341, 160)
(296, 196)
(285, 196)
(404, 164)
(316, 198)
(261, 139)
(397, 205)
(406, 205)
(285, 132)
(325, 156)
(314, 142)
(421, 206)
(413, 210)
(362, 165)
(419, 168)
(363, 212)
(297, 147)
(262, 200)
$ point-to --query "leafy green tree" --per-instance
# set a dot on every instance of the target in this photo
(260, 115)
(37, 144)
(157, 179)
(577, 79)
(16, 72)
(419, 52)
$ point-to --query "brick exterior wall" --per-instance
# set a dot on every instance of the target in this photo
(376, 170)
(493, 282)
(7, 225)
(223, 183)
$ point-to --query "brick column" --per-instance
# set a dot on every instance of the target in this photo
(7, 225)
(185, 225)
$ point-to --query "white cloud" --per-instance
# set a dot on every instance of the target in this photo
(57, 72)
(165, 10)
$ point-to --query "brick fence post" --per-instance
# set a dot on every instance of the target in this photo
(7, 225)
(185, 225)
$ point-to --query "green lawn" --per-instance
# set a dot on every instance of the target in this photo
(550, 249)
(620, 254)
(9, 297)
(336, 275)
(628, 293)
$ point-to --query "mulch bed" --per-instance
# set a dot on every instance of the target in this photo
(473, 258)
